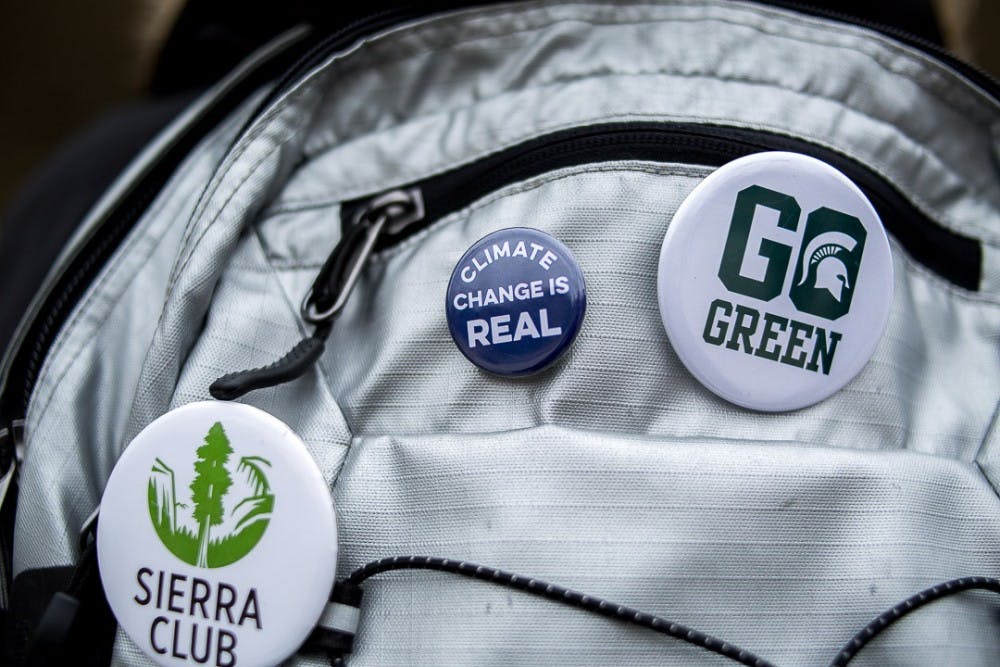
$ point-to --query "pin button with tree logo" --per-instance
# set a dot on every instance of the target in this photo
(217, 538)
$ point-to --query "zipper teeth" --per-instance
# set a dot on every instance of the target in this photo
(664, 137)
(545, 153)
(98, 255)
(951, 255)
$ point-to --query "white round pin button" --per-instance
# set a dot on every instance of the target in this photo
(217, 540)
(775, 281)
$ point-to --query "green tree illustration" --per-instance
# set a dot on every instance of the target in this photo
(210, 485)
(254, 467)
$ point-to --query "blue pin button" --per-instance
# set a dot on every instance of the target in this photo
(515, 301)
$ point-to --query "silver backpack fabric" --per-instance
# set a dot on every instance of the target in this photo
(614, 472)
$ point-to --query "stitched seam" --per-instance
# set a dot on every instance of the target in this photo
(295, 265)
(208, 194)
(227, 163)
(236, 189)
(982, 473)
(947, 78)
(991, 428)
(988, 236)
(944, 97)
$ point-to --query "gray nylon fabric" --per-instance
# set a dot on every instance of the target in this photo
(80, 406)
(613, 472)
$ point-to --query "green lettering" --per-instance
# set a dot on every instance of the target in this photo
(742, 330)
(823, 353)
(795, 342)
(769, 335)
(826, 273)
(777, 254)
(715, 322)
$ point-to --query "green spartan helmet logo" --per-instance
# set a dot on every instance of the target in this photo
(829, 258)
(186, 529)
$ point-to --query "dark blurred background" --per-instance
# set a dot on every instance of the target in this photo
(84, 85)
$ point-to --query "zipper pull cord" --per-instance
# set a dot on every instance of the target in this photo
(390, 212)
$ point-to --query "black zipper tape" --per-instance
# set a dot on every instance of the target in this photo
(949, 254)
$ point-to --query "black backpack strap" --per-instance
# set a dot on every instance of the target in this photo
(61, 616)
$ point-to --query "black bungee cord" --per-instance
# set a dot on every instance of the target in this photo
(563, 595)
(335, 632)
(910, 604)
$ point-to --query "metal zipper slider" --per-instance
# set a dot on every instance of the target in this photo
(391, 213)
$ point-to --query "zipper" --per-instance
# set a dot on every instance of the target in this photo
(78, 271)
(952, 256)
(388, 218)
(392, 212)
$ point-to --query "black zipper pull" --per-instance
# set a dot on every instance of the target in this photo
(387, 213)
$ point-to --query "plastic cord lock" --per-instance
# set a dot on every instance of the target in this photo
(334, 633)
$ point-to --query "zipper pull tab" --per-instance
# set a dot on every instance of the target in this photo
(390, 213)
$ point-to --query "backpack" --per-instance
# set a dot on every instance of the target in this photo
(310, 239)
